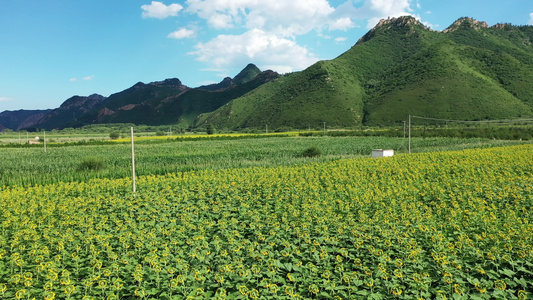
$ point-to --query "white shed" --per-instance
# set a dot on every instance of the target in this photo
(382, 152)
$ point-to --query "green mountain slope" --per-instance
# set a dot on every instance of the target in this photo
(400, 68)
(311, 92)
(446, 85)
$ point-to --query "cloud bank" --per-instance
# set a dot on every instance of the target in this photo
(271, 50)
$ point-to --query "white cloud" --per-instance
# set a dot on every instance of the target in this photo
(341, 39)
(4, 99)
(341, 24)
(530, 19)
(287, 18)
(262, 48)
(181, 34)
(220, 21)
(159, 10)
(73, 79)
(88, 77)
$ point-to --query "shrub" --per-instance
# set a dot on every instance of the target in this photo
(210, 129)
(91, 163)
(305, 134)
(160, 133)
(311, 152)
(114, 135)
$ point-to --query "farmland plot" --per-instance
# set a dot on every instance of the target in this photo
(449, 225)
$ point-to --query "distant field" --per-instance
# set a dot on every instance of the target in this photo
(158, 155)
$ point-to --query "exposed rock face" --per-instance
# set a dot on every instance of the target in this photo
(411, 22)
(104, 112)
(172, 82)
(466, 22)
(404, 22)
(128, 107)
(397, 22)
(502, 26)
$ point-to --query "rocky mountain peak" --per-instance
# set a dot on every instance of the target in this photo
(403, 22)
(168, 82)
(466, 22)
(78, 101)
(247, 74)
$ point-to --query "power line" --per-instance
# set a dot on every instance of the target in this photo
(458, 121)
(486, 121)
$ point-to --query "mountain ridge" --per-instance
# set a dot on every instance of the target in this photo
(401, 67)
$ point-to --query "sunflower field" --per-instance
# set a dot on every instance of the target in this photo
(443, 225)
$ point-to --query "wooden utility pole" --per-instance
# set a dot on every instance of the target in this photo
(409, 133)
(133, 162)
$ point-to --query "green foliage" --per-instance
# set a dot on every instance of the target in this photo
(91, 163)
(114, 135)
(312, 151)
(210, 129)
(160, 133)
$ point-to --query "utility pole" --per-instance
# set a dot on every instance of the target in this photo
(133, 162)
(409, 134)
(266, 128)
(404, 129)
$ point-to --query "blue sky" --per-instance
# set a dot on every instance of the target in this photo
(51, 50)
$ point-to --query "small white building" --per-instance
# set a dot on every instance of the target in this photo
(382, 152)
